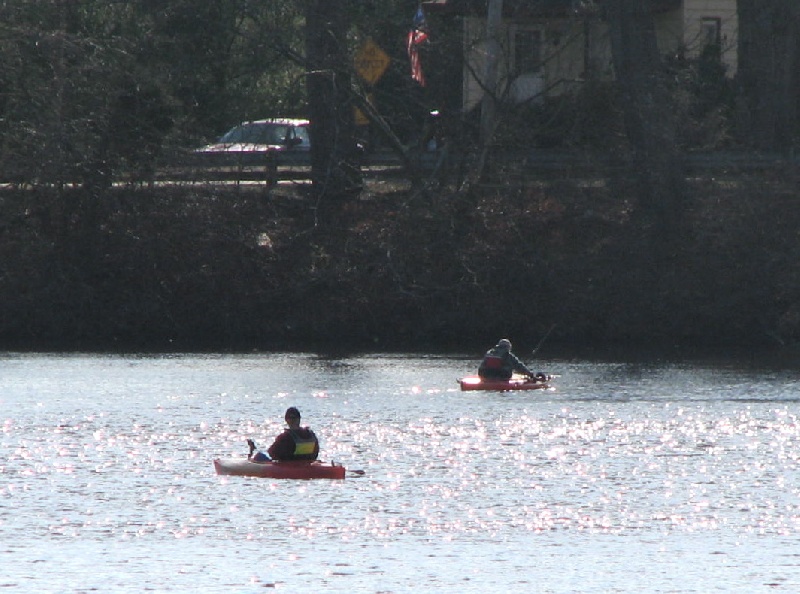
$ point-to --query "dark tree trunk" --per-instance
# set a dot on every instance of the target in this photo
(649, 114)
(334, 163)
(768, 77)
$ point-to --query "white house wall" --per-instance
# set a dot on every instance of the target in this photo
(694, 11)
(562, 57)
(565, 65)
(564, 69)
(669, 31)
(474, 30)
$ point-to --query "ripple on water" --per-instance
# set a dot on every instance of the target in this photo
(121, 474)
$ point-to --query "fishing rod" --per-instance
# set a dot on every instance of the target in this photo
(541, 342)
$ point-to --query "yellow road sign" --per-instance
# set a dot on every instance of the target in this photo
(360, 118)
(371, 62)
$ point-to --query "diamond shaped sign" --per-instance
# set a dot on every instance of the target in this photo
(371, 62)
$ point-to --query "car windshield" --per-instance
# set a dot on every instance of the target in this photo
(256, 134)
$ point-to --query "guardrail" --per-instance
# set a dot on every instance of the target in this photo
(506, 165)
(258, 167)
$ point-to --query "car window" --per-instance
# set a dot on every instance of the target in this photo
(301, 132)
(256, 134)
(272, 134)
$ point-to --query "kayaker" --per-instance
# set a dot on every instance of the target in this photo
(295, 443)
(500, 363)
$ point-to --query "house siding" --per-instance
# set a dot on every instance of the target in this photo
(562, 56)
(695, 11)
(575, 50)
(474, 63)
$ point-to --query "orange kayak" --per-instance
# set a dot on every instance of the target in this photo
(473, 382)
(279, 470)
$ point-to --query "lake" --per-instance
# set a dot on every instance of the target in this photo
(670, 476)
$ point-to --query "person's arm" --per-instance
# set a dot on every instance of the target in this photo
(520, 366)
(282, 448)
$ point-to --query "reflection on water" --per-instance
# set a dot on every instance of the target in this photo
(681, 473)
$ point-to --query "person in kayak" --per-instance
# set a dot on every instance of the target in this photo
(500, 363)
(295, 443)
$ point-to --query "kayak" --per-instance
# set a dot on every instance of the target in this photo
(517, 382)
(473, 382)
(279, 470)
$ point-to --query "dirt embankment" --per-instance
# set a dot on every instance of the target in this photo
(237, 268)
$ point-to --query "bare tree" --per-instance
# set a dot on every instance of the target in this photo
(769, 81)
(335, 172)
(649, 116)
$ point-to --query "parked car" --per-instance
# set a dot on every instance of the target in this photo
(250, 143)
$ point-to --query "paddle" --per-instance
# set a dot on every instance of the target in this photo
(259, 457)
(252, 446)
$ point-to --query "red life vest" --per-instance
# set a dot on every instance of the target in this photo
(491, 361)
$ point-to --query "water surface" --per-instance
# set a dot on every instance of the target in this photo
(628, 476)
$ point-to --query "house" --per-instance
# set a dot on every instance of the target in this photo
(552, 47)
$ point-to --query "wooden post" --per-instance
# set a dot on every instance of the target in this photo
(271, 169)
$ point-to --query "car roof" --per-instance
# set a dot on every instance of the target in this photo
(283, 121)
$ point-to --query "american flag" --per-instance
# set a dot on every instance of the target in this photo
(416, 36)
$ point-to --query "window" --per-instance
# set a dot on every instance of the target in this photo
(528, 51)
(301, 134)
(710, 32)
